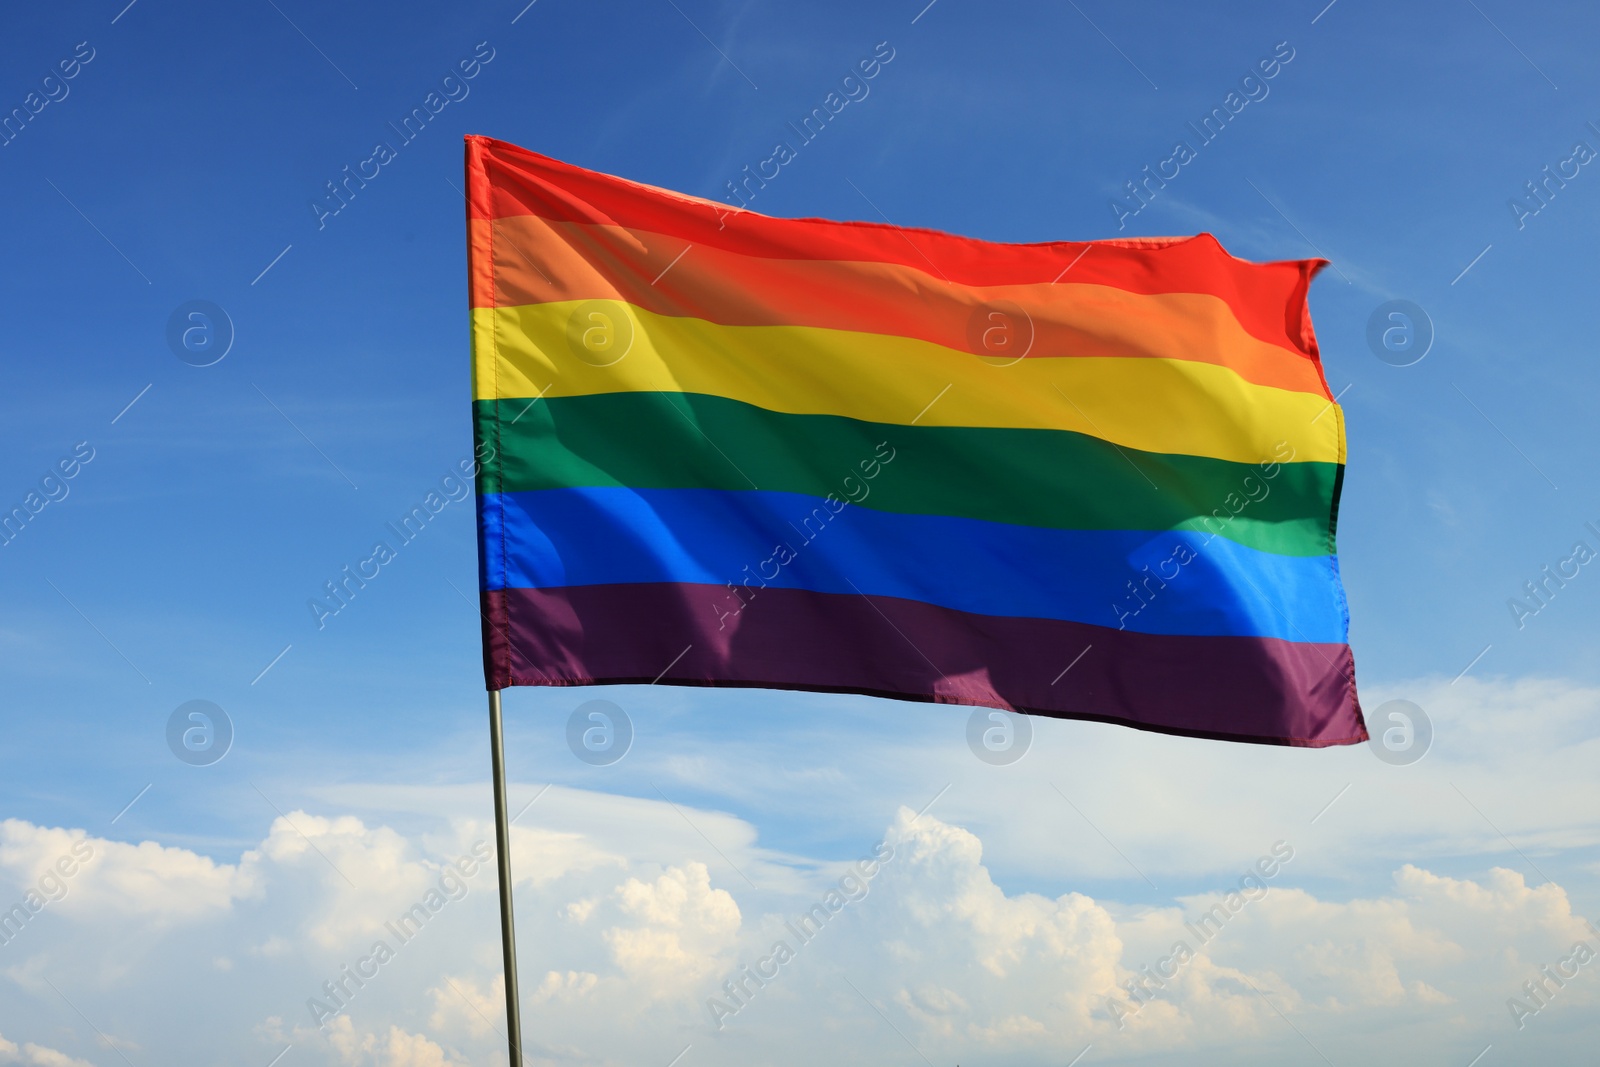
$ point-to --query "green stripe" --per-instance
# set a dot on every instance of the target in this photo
(1049, 478)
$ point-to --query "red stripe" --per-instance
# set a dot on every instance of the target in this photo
(1228, 688)
(1268, 299)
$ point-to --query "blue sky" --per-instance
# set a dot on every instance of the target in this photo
(179, 163)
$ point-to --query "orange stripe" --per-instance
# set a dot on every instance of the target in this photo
(535, 260)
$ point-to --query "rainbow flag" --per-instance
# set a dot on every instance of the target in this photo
(1094, 480)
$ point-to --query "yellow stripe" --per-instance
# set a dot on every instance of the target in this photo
(577, 348)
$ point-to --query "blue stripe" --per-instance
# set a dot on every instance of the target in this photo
(1173, 582)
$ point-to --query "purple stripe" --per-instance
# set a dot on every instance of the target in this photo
(1230, 688)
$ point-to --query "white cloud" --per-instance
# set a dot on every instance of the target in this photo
(629, 922)
(679, 931)
(37, 1055)
(394, 1047)
(935, 943)
(566, 987)
(560, 853)
(146, 880)
(459, 1004)
(580, 910)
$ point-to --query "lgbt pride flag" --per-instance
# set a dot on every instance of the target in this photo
(1089, 480)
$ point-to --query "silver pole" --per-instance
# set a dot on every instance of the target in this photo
(502, 837)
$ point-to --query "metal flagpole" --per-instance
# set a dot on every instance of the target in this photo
(502, 838)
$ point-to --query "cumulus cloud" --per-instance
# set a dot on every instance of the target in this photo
(393, 1047)
(1434, 941)
(37, 1055)
(363, 877)
(932, 941)
(1007, 965)
(560, 852)
(459, 1004)
(146, 880)
(678, 929)
(565, 986)
(626, 933)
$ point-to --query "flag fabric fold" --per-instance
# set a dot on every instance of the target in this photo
(1092, 480)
